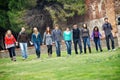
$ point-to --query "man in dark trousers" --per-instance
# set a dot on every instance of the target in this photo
(57, 38)
(76, 38)
(108, 34)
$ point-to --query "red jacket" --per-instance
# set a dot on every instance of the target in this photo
(10, 40)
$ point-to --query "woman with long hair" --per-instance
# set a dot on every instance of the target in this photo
(86, 38)
(10, 44)
(67, 36)
(47, 39)
(37, 41)
(96, 37)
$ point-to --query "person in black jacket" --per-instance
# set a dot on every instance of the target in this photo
(76, 38)
(108, 34)
(23, 40)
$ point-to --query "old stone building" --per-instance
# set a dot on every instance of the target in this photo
(96, 11)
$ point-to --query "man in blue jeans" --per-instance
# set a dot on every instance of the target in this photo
(108, 34)
(57, 37)
(23, 40)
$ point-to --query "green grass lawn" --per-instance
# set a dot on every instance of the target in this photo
(95, 66)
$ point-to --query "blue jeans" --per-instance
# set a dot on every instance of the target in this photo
(58, 45)
(86, 41)
(97, 43)
(37, 48)
(68, 45)
(77, 41)
(23, 47)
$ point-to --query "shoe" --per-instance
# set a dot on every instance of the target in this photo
(101, 50)
(113, 49)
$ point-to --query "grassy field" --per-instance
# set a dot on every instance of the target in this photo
(95, 66)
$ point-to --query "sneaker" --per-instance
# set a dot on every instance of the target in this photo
(109, 50)
(113, 49)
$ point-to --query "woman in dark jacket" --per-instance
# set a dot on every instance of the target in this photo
(37, 41)
(86, 38)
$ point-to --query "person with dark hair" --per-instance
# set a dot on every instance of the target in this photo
(37, 41)
(57, 38)
(67, 35)
(96, 37)
(10, 44)
(107, 27)
(86, 37)
(48, 40)
(23, 40)
(76, 33)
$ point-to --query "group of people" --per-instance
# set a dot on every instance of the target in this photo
(56, 36)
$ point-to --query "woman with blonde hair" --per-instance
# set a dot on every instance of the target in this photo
(10, 44)
(37, 41)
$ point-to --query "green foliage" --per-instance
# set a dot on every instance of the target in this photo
(69, 9)
(13, 11)
(17, 12)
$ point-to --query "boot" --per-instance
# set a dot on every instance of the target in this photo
(89, 49)
(14, 58)
(85, 50)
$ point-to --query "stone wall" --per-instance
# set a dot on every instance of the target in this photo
(31, 50)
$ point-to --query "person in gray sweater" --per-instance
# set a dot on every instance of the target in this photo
(57, 37)
(48, 40)
(86, 37)
(108, 34)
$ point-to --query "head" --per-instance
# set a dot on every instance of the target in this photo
(8, 33)
(75, 26)
(35, 30)
(22, 29)
(96, 28)
(67, 29)
(48, 30)
(106, 20)
(56, 26)
(85, 26)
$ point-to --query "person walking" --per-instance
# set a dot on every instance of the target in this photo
(67, 36)
(86, 38)
(48, 40)
(57, 38)
(23, 40)
(10, 42)
(76, 33)
(107, 27)
(96, 35)
(37, 41)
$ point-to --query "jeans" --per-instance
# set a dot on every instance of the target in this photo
(86, 41)
(12, 52)
(58, 50)
(49, 49)
(107, 41)
(37, 48)
(23, 47)
(77, 41)
(68, 45)
(97, 43)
